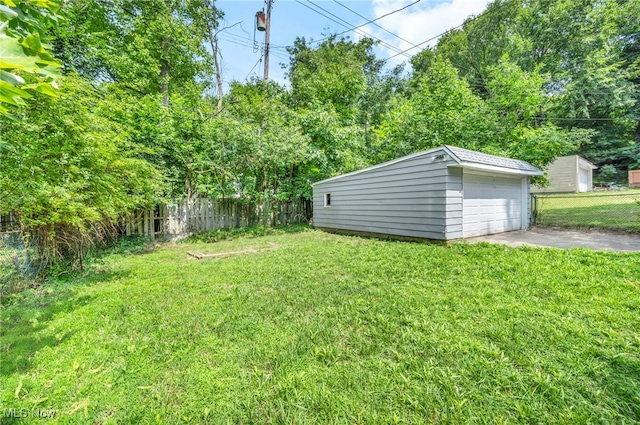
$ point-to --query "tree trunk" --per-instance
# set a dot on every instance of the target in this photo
(164, 81)
(213, 39)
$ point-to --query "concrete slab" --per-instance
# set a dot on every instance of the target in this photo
(559, 238)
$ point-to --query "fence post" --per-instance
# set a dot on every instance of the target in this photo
(534, 209)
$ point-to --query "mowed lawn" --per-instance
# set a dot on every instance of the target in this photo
(596, 210)
(311, 327)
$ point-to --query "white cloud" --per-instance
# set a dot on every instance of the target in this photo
(419, 22)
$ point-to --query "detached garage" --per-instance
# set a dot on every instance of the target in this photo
(443, 193)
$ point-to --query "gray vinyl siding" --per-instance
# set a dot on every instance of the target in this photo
(563, 176)
(454, 202)
(406, 198)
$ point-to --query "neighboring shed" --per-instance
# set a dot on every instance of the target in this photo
(443, 193)
(568, 174)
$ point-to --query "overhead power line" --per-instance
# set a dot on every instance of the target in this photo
(485, 13)
(254, 67)
(346, 25)
(373, 23)
(360, 31)
(368, 22)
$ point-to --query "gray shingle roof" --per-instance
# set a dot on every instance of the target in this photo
(466, 155)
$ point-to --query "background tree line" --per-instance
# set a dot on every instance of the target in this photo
(137, 116)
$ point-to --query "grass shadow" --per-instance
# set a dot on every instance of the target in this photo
(219, 235)
(25, 315)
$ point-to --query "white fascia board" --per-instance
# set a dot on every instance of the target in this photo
(495, 169)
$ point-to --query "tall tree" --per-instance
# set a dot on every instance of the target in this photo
(333, 88)
(255, 148)
(584, 47)
(444, 110)
(151, 46)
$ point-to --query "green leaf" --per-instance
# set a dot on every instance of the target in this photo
(7, 13)
(12, 55)
(11, 78)
(45, 88)
(9, 91)
(32, 44)
(45, 4)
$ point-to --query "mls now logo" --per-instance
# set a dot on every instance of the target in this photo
(33, 413)
(16, 413)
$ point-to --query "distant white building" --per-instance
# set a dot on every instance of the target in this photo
(568, 174)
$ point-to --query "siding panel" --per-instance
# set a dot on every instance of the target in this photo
(563, 176)
(407, 198)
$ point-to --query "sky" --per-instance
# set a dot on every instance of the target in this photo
(316, 19)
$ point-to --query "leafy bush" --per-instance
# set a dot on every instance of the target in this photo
(69, 173)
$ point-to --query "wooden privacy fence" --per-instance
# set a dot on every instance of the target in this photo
(203, 214)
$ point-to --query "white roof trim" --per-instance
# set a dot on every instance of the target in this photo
(495, 169)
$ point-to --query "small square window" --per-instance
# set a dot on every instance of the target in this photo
(327, 199)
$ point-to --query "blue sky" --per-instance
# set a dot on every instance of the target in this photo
(291, 19)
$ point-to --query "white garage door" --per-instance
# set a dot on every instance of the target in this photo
(583, 183)
(491, 204)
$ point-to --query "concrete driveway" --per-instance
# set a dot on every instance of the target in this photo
(557, 238)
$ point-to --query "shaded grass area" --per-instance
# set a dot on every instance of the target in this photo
(218, 235)
(333, 329)
(595, 210)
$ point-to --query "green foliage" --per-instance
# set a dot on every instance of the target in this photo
(442, 110)
(607, 173)
(68, 169)
(332, 75)
(339, 94)
(254, 149)
(26, 64)
(150, 46)
(583, 49)
(332, 329)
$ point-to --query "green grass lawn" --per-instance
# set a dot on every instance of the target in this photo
(596, 210)
(318, 328)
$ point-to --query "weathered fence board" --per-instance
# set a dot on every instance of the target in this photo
(634, 179)
(203, 214)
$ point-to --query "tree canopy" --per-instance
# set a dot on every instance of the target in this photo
(135, 123)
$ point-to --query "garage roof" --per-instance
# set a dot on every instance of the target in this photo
(478, 160)
(464, 158)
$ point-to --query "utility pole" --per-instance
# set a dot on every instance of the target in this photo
(266, 41)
